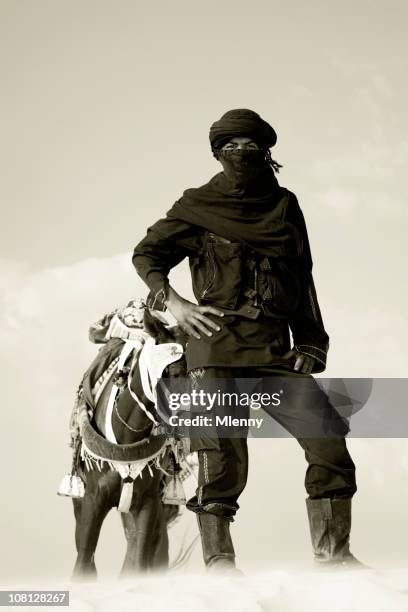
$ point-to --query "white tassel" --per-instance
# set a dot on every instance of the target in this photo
(71, 486)
(174, 492)
(126, 497)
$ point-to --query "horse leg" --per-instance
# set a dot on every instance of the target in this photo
(140, 526)
(77, 502)
(90, 512)
(160, 557)
(160, 553)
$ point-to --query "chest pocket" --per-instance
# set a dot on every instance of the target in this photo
(216, 274)
(279, 283)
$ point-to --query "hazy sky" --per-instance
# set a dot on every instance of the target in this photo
(106, 108)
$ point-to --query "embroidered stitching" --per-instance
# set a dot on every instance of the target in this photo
(156, 298)
(312, 303)
(195, 375)
(206, 476)
(311, 347)
(314, 356)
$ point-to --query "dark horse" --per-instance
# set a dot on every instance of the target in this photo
(145, 524)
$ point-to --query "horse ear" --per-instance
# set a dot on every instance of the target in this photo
(179, 335)
(154, 326)
(149, 323)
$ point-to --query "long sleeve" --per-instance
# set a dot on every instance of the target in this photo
(165, 245)
(309, 335)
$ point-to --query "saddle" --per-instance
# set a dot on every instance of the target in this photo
(129, 460)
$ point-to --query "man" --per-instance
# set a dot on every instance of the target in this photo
(251, 270)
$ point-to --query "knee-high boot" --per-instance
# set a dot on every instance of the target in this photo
(218, 550)
(330, 525)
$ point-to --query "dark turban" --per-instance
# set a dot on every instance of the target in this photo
(242, 122)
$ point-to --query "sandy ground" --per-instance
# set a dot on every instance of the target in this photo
(283, 591)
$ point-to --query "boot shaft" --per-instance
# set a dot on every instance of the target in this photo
(216, 540)
(330, 525)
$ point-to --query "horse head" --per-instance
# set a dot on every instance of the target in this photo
(164, 334)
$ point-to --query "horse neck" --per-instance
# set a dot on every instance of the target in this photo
(129, 423)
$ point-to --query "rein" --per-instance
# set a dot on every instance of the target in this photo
(127, 424)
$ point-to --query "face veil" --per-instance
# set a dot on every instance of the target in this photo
(243, 164)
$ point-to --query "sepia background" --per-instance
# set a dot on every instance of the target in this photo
(106, 108)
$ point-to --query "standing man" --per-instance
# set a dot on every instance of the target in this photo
(251, 268)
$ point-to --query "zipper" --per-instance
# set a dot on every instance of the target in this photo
(211, 281)
(255, 283)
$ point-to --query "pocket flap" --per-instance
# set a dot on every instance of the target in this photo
(224, 251)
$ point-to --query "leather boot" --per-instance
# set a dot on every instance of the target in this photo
(330, 525)
(218, 550)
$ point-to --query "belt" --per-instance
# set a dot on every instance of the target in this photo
(248, 311)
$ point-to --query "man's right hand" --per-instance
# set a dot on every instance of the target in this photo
(191, 317)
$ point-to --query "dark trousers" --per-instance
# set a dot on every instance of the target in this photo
(223, 461)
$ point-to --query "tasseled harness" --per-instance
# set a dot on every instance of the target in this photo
(129, 460)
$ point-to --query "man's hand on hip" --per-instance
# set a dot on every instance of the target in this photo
(191, 317)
